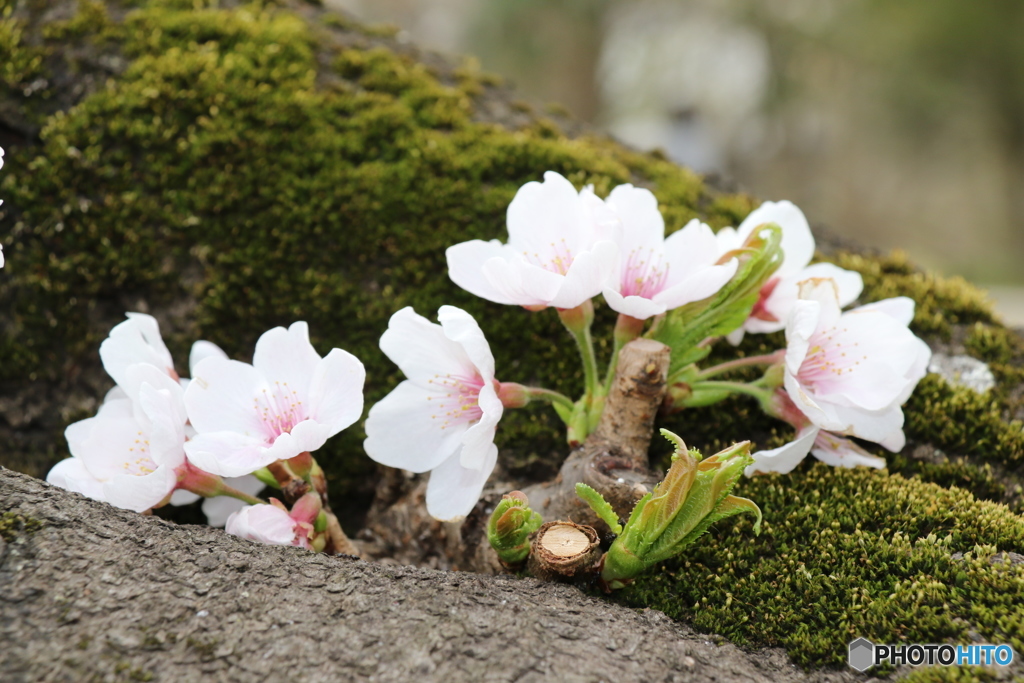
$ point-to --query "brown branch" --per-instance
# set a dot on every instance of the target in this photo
(613, 460)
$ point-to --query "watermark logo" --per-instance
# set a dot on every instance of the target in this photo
(863, 654)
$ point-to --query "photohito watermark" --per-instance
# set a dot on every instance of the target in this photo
(864, 654)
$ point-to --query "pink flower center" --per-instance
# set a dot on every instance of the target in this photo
(139, 463)
(457, 400)
(645, 274)
(829, 359)
(558, 259)
(279, 409)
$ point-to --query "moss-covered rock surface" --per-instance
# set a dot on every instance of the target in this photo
(232, 167)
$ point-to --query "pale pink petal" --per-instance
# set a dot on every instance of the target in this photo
(728, 239)
(228, 454)
(201, 350)
(461, 328)
(797, 240)
(70, 474)
(587, 275)
(336, 391)
(421, 349)
(785, 458)
(140, 493)
(821, 413)
(221, 397)
(736, 336)
(109, 446)
(849, 283)
(263, 524)
(404, 430)
(784, 296)
(286, 357)
(173, 401)
(465, 268)
(453, 490)
(839, 452)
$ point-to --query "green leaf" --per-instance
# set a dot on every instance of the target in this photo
(600, 506)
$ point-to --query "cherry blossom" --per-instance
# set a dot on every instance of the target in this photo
(779, 294)
(289, 401)
(846, 374)
(136, 340)
(131, 454)
(559, 253)
(442, 419)
(655, 273)
(218, 508)
(273, 524)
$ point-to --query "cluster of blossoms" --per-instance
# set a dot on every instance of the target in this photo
(220, 435)
(236, 426)
(841, 375)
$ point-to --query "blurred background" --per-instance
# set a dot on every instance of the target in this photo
(898, 123)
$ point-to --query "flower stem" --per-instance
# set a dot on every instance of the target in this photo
(577, 321)
(241, 495)
(759, 393)
(722, 368)
(627, 329)
(549, 396)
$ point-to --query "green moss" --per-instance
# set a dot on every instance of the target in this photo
(13, 525)
(962, 421)
(844, 554)
(941, 302)
(20, 63)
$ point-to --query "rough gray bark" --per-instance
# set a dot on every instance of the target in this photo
(105, 594)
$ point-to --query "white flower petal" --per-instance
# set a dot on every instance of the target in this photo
(478, 440)
(702, 284)
(201, 350)
(287, 357)
(182, 497)
(461, 328)
(465, 269)
(543, 213)
(522, 283)
(140, 493)
(453, 490)
(634, 306)
(70, 474)
(336, 391)
(900, 308)
(785, 458)
(839, 452)
(402, 430)
(695, 246)
(136, 340)
(894, 442)
(587, 275)
(221, 395)
(421, 349)
(802, 323)
(226, 453)
(826, 293)
(643, 228)
(797, 240)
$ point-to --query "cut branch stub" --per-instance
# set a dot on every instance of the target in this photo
(564, 550)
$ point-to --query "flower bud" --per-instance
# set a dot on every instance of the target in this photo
(510, 527)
